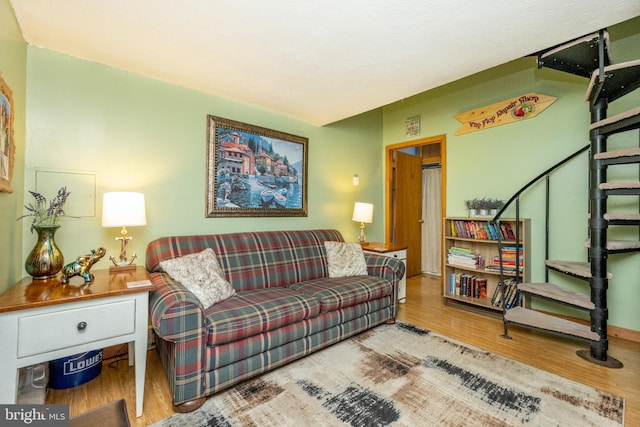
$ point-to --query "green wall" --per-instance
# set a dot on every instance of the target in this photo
(13, 61)
(497, 162)
(137, 134)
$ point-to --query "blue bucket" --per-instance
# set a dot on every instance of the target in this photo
(74, 370)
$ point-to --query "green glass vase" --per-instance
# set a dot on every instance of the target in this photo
(45, 259)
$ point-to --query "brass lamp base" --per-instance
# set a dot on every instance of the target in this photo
(362, 238)
(122, 268)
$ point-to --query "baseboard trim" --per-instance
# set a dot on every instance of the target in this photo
(625, 334)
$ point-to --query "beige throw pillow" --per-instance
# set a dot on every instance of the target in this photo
(201, 274)
(345, 259)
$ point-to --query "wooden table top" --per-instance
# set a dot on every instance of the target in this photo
(29, 293)
(382, 247)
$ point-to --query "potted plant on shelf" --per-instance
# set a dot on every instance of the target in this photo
(494, 206)
(473, 205)
(483, 206)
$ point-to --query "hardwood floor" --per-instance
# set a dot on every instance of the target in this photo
(423, 308)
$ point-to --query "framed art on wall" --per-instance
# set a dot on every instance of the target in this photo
(7, 144)
(254, 171)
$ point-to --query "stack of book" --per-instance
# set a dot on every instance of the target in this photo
(508, 260)
(464, 257)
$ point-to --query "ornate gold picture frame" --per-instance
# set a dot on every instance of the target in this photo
(254, 171)
(7, 144)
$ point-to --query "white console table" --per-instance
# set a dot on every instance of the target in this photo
(392, 251)
(42, 320)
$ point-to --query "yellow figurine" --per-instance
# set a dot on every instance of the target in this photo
(82, 265)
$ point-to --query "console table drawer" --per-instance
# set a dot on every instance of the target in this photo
(66, 328)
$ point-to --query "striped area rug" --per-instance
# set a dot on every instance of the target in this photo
(402, 375)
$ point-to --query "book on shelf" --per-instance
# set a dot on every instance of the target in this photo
(481, 285)
(492, 229)
(507, 231)
(452, 283)
(505, 292)
(469, 230)
(482, 230)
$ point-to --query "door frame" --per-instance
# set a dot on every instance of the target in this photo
(389, 149)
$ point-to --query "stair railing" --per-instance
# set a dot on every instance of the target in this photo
(516, 198)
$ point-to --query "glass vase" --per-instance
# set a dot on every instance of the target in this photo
(45, 259)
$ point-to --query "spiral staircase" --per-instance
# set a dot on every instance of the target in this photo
(589, 57)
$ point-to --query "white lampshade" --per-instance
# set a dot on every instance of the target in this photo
(363, 212)
(123, 209)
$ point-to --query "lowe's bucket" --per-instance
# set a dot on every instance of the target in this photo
(74, 370)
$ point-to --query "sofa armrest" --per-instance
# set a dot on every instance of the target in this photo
(176, 313)
(391, 269)
(178, 317)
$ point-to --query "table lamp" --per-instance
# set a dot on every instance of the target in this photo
(362, 212)
(123, 209)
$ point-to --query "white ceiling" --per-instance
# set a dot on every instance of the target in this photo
(318, 61)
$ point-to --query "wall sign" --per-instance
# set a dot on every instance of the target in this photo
(504, 112)
(412, 126)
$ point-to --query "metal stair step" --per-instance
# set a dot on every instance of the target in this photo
(627, 120)
(614, 185)
(618, 245)
(621, 79)
(579, 56)
(535, 319)
(622, 218)
(557, 293)
(628, 188)
(619, 157)
(573, 268)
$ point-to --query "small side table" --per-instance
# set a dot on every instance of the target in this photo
(391, 250)
(42, 320)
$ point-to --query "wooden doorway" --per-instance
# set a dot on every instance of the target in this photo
(403, 201)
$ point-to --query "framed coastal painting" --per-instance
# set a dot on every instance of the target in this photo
(7, 144)
(253, 171)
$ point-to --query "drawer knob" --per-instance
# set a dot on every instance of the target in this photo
(82, 326)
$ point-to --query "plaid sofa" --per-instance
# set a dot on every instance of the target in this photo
(285, 306)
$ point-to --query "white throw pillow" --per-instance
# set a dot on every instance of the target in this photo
(201, 274)
(345, 259)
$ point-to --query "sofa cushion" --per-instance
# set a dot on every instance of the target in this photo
(337, 293)
(201, 274)
(253, 312)
(345, 259)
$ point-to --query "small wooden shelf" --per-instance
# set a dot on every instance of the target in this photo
(485, 247)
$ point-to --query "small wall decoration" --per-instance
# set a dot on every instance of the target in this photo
(501, 113)
(254, 171)
(7, 144)
(412, 126)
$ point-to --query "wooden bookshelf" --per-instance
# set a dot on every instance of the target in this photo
(473, 244)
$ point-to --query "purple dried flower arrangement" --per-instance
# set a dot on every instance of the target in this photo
(44, 215)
